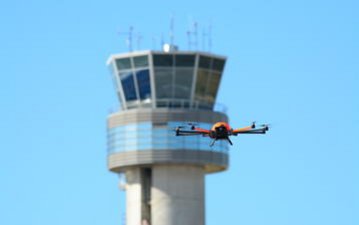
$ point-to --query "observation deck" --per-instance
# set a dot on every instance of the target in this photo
(155, 79)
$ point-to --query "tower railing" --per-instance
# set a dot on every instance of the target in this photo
(173, 104)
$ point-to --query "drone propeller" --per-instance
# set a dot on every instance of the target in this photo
(265, 126)
(192, 124)
(178, 128)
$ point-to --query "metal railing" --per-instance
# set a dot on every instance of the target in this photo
(172, 104)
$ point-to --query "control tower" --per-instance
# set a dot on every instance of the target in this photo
(165, 174)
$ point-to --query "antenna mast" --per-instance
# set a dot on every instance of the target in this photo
(162, 40)
(204, 34)
(210, 36)
(172, 37)
(193, 30)
(154, 40)
(129, 38)
(139, 38)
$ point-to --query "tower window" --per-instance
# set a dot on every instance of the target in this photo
(205, 62)
(164, 83)
(141, 61)
(185, 60)
(163, 60)
(218, 64)
(128, 86)
(213, 84)
(143, 83)
(123, 64)
(183, 83)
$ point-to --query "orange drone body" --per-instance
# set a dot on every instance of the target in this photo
(219, 124)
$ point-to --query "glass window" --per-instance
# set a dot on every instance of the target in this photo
(217, 146)
(144, 133)
(160, 146)
(143, 83)
(201, 85)
(140, 61)
(130, 148)
(175, 139)
(160, 133)
(159, 125)
(164, 82)
(185, 60)
(205, 125)
(218, 64)
(130, 141)
(124, 63)
(130, 135)
(131, 127)
(117, 130)
(144, 125)
(205, 62)
(114, 80)
(173, 124)
(144, 140)
(213, 86)
(128, 86)
(183, 83)
(144, 146)
(205, 145)
(163, 60)
(191, 139)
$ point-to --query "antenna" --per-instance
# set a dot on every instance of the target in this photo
(129, 38)
(188, 40)
(204, 34)
(172, 37)
(193, 30)
(154, 40)
(207, 37)
(162, 40)
(129, 41)
(210, 36)
(139, 38)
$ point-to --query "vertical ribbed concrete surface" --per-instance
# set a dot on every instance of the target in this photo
(133, 196)
(177, 195)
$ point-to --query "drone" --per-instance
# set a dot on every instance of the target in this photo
(221, 131)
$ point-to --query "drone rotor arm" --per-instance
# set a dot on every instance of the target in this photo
(248, 128)
(190, 132)
(262, 130)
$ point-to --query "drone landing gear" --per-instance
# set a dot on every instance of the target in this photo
(212, 143)
(229, 141)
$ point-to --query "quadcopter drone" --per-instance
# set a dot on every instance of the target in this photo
(221, 131)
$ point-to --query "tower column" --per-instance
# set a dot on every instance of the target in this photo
(133, 196)
(177, 195)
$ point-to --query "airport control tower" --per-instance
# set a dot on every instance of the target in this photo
(165, 174)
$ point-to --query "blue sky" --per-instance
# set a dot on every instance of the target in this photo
(293, 64)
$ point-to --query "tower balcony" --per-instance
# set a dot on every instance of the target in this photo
(145, 137)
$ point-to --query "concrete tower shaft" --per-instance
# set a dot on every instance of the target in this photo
(159, 91)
